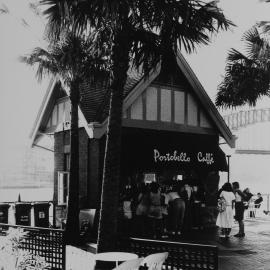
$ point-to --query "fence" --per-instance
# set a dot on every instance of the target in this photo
(182, 256)
(47, 243)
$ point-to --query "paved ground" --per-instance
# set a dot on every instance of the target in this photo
(249, 253)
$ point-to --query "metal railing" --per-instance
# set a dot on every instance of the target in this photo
(244, 118)
(47, 243)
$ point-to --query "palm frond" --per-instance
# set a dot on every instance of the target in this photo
(71, 58)
(244, 83)
(79, 16)
(265, 26)
(44, 61)
(145, 50)
(58, 17)
(254, 42)
(235, 56)
(186, 23)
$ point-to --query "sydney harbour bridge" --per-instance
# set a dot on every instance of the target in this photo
(252, 130)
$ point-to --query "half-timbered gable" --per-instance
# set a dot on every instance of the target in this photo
(167, 107)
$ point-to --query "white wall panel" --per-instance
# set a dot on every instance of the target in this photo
(67, 111)
(204, 122)
(136, 109)
(179, 107)
(61, 112)
(165, 110)
(192, 111)
(49, 124)
(151, 103)
(54, 116)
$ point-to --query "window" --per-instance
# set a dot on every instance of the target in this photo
(149, 178)
(63, 182)
(66, 161)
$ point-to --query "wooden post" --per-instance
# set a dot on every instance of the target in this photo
(228, 157)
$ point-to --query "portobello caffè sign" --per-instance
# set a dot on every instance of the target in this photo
(183, 157)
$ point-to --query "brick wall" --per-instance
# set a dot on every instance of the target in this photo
(61, 146)
(94, 173)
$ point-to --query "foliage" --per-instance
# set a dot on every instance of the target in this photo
(70, 58)
(153, 27)
(247, 76)
(14, 258)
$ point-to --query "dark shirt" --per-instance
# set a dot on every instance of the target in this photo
(248, 196)
(258, 201)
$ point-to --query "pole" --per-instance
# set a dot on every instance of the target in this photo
(267, 202)
(228, 157)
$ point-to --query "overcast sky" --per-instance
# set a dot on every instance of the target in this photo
(21, 95)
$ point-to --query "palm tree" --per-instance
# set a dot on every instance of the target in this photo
(247, 75)
(72, 59)
(144, 31)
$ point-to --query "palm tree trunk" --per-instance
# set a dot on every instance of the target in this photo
(72, 226)
(168, 60)
(107, 233)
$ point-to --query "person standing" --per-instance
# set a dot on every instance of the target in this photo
(176, 210)
(258, 201)
(239, 209)
(197, 200)
(155, 210)
(225, 218)
(187, 194)
(142, 211)
(127, 211)
(248, 197)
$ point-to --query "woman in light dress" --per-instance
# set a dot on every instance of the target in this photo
(225, 219)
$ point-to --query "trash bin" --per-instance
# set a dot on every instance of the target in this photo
(41, 214)
(23, 214)
(4, 212)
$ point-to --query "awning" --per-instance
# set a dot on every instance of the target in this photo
(157, 150)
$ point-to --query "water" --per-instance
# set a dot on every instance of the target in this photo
(26, 194)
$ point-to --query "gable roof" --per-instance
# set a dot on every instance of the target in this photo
(224, 130)
(94, 103)
(95, 99)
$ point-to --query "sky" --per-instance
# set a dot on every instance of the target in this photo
(21, 94)
(209, 61)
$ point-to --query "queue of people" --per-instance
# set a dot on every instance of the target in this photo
(158, 211)
(161, 211)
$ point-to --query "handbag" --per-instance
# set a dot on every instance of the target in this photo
(221, 206)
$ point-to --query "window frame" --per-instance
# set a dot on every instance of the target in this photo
(60, 188)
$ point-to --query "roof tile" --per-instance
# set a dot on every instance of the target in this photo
(95, 99)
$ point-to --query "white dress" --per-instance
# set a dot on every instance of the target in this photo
(225, 219)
